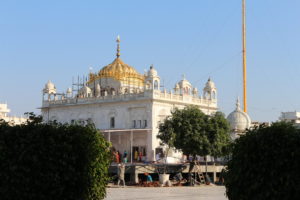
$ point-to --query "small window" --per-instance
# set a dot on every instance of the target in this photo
(112, 122)
(214, 95)
(145, 123)
(134, 124)
(140, 123)
(155, 85)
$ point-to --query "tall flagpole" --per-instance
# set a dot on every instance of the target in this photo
(244, 57)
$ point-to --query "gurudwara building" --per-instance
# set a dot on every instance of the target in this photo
(12, 120)
(125, 106)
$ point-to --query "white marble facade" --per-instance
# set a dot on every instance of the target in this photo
(12, 120)
(125, 105)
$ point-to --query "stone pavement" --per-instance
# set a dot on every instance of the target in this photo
(167, 193)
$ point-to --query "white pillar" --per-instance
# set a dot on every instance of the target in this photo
(109, 135)
(150, 151)
(131, 143)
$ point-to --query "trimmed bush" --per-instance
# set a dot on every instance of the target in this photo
(265, 164)
(52, 162)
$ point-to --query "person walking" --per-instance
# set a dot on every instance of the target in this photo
(121, 174)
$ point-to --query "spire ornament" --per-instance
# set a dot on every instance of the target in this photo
(238, 104)
(118, 46)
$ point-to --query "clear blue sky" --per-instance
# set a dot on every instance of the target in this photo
(56, 40)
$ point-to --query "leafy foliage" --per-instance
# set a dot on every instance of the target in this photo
(218, 135)
(52, 161)
(195, 133)
(265, 164)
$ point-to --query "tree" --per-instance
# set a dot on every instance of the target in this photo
(195, 133)
(265, 164)
(52, 161)
(218, 135)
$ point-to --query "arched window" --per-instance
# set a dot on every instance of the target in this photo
(148, 85)
(207, 95)
(155, 85)
(112, 91)
(213, 94)
(112, 122)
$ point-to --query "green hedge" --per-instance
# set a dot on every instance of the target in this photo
(265, 164)
(52, 162)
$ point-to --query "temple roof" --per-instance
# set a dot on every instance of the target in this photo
(120, 71)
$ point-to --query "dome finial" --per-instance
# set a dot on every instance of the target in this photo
(118, 46)
(238, 104)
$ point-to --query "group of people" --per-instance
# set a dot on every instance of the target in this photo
(119, 157)
(138, 156)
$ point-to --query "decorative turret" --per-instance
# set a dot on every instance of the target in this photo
(195, 92)
(152, 80)
(176, 89)
(185, 87)
(210, 90)
(69, 92)
(97, 90)
(50, 90)
(85, 92)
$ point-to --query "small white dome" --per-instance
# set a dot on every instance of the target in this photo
(209, 85)
(69, 91)
(49, 88)
(184, 83)
(176, 86)
(152, 72)
(238, 119)
(49, 85)
(85, 91)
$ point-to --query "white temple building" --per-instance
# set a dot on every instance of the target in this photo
(293, 117)
(125, 106)
(12, 120)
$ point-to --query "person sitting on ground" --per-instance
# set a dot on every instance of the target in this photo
(178, 177)
(149, 178)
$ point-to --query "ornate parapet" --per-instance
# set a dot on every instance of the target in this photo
(145, 95)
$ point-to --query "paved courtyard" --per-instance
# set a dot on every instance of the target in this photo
(167, 193)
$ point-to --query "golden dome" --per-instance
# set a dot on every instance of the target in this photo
(120, 71)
